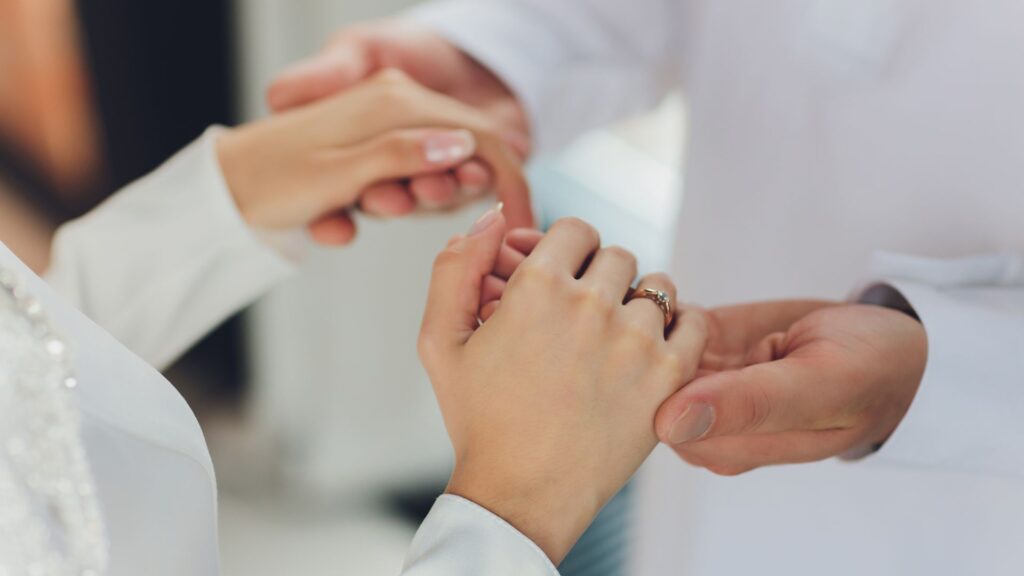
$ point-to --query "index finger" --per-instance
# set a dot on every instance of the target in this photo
(568, 246)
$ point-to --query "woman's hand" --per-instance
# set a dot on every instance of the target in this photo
(550, 403)
(311, 165)
(358, 51)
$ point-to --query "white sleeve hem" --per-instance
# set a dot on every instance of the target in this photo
(460, 537)
(574, 65)
(478, 31)
(166, 259)
(965, 415)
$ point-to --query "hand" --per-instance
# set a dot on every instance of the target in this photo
(786, 382)
(357, 52)
(311, 165)
(549, 402)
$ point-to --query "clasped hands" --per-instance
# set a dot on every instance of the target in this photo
(385, 145)
(553, 389)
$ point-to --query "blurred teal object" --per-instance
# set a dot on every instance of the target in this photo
(632, 198)
(603, 550)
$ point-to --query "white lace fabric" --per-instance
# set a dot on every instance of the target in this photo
(50, 518)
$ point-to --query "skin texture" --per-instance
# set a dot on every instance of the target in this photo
(549, 402)
(311, 165)
(797, 381)
(356, 53)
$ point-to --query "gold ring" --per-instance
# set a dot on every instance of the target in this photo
(658, 297)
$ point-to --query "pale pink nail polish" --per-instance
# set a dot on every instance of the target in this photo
(488, 219)
(448, 147)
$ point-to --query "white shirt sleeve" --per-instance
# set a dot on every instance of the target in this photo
(574, 64)
(166, 259)
(460, 538)
(967, 412)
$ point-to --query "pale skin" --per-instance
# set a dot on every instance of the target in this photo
(312, 165)
(356, 53)
(549, 402)
(818, 348)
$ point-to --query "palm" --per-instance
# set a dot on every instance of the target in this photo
(736, 332)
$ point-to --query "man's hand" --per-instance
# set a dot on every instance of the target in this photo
(355, 53)
(787, 382)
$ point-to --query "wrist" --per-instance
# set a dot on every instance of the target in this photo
(552, 512)
(231, 146)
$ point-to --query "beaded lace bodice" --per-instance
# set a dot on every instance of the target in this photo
(50, 519)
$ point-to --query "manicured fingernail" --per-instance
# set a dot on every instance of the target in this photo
(472, 191)
(692, 424)
(448, 147)
(485, 221)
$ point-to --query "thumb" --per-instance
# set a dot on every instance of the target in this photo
(340, 66)
(761, 398)
(456, 284)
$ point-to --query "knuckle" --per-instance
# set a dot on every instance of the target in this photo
(537, 271)
(620, 253)
(391, 76)
(577, 227)
(592, 300)
(642, 336)
(426, 348)
(393, 95)
(448, 258)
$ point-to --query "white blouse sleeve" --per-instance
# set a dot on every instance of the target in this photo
(460, 538)
(966, 415)
(166, 259)
(574, 64)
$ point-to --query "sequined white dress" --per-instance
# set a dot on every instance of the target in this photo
(104, 470)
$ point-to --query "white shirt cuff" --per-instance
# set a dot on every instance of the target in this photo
(493, 34)
(167, 258)
(963, 414)
(459, 537)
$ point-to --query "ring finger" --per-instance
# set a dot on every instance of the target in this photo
(647, 308)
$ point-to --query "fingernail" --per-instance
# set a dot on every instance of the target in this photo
(485, 221)
(448, 147)
(692, 424)
(472, 191)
